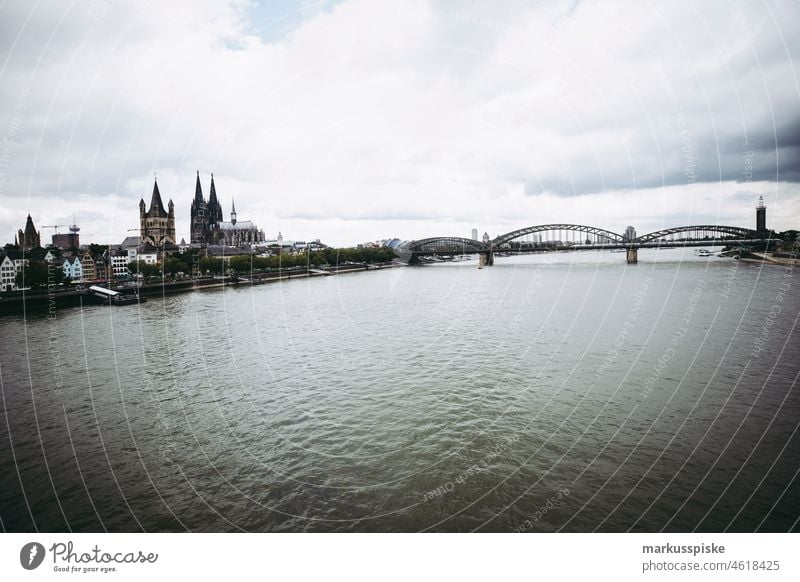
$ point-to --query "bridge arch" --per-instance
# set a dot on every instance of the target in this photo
(444, 245)
(698, 232)
(590, 231)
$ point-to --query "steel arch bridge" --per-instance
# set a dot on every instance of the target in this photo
(593, 231)
(445, 245)
(699, 232)
(695, 235)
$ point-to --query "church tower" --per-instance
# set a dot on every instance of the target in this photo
(761, 216)
(233, 212)
(142, 223)
(199, 215)
(29, 238)
(157, 225)
(171, 221)
(214, 207)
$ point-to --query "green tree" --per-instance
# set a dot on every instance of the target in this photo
(173, 266)
(788, 235)
(145, 270)
(241, 265)
(211, 265)
(38, 274)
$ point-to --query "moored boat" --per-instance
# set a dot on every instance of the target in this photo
(115, 297)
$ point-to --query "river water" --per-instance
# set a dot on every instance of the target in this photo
(565, 391)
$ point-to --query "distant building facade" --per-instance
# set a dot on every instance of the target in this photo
(630, 234)
(474, 234)
(11, 263)
(8, 274)
(29, 238)
(157, 224)
(88, 272)
(238, 233)
(118, 262)
(68, 241)
(73, 269)
(147, 255)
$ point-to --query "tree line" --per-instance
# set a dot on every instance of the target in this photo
(189, 263)
(39, 275)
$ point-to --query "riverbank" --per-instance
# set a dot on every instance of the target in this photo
(783, 259)
(55, 300)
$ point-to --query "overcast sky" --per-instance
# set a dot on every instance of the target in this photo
(360, 120)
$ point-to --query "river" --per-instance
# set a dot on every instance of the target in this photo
(555, 392)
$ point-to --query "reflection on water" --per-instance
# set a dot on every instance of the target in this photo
(559, 391)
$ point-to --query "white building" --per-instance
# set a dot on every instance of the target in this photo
(11, 263)
(147, 256)
(131, 246)
(119, 265)
(8, 274)
(474, 234)
(297, 246)
(73, 269)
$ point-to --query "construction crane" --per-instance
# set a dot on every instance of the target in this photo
(73, 228)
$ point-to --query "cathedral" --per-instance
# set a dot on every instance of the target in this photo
(208, 227)
(157, 225)
(204, 215)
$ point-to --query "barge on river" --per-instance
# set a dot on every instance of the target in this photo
(114, 297)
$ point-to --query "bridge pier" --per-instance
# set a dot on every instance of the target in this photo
(486, 259)
(633, 255)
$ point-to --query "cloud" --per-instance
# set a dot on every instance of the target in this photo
(362, 120)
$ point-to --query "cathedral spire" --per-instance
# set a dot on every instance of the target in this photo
(233, 211)
(213, 196)
(198, 190)
(214, 207)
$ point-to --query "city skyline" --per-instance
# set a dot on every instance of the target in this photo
(212, 229)
(328, 129)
